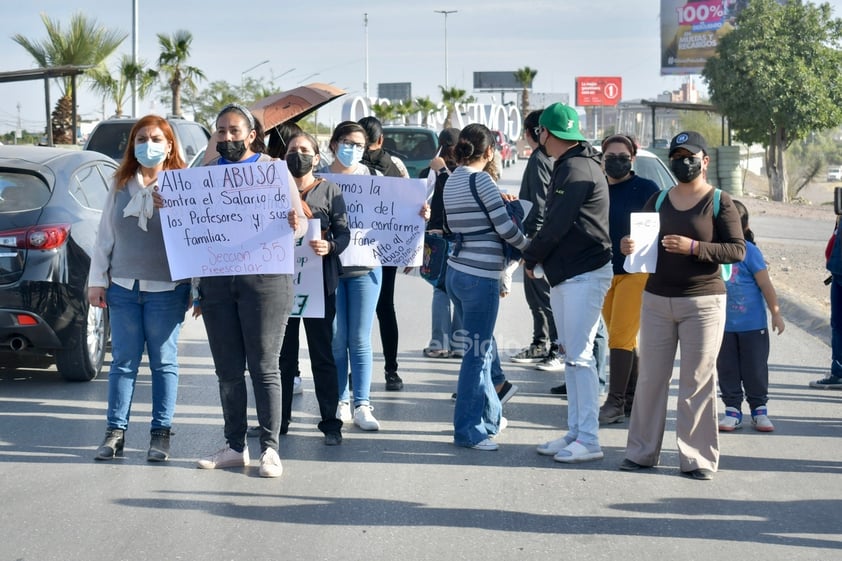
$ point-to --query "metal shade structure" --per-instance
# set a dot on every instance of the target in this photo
(293, 105)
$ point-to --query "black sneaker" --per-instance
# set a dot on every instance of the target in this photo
(528, 355)
(393, 382)
(506, 392)
(333, 438)
(559, 390)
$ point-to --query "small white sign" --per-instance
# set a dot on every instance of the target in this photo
(645, 227)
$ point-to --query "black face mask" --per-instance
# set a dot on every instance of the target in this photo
(232, 150)
(617, 168)
(686, 169)
(299, 164)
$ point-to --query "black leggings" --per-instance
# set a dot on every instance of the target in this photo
(387, 319)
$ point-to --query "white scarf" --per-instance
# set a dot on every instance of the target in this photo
(141, 204)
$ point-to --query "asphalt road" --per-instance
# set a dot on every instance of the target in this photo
(406, 492)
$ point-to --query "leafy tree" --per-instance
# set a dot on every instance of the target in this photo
(524, 77)
(425, 106)
(84, 43)
(173, 67)
(776, 78)
(209, 102)
(116, 87)
(453, 98)
(709, 124)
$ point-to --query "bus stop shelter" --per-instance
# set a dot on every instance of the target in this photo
(47, 74)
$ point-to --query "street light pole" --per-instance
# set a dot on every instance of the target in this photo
(134, 55)
(445, 13)
(365, 86)
(247, 70)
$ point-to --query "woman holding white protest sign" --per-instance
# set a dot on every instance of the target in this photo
(322, 200)
(242, 314)
(356, 298)
(129, 275)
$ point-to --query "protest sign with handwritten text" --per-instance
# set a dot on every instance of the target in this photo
(308, 281)
(383, 216)
(227, 220)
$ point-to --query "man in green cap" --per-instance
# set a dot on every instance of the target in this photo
(574, 249)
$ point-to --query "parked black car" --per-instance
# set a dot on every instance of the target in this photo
(111, 137)
(51, 200)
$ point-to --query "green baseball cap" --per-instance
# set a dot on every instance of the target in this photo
(562, 121)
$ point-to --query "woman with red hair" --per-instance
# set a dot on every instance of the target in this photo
(130, 276)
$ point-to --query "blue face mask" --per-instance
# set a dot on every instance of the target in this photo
(349, 155)
(150, 154)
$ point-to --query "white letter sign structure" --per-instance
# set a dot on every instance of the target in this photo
(384, 216)
(227, 220)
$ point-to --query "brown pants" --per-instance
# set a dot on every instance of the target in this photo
(694, 325)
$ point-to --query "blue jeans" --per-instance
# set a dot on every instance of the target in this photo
(245, 319)
(600, 351)
(153, 320)
(356, 302)
(444, 324)
(478, 410)
(577, 309)
(836, 326)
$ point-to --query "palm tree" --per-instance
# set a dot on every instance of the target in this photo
(452, 99)
(404, 109)
(117, 87)
(385, 112)
(85, 43)
(524, 77)
(173, 67)
(425, 106)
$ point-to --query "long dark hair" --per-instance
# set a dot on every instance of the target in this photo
(743, 212)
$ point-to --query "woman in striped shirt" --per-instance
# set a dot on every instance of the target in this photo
(476, 214)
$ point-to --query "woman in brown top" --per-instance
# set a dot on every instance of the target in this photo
(684, 304)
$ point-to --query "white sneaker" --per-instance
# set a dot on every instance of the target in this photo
(551, 363)
(760, 420)
(364, 419)
(486, 445)
(343, 412)
(270, 464)
(226, 457)
(731, 420)
(297, 388)
(553, 447)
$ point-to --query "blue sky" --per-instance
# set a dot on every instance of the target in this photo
(325, 41)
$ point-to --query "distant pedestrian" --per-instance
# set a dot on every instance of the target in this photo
(743, 363)
(378, 160)
(543, 351)
(684, 308)
(833, 253)
(445, 324)
(130, 276)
